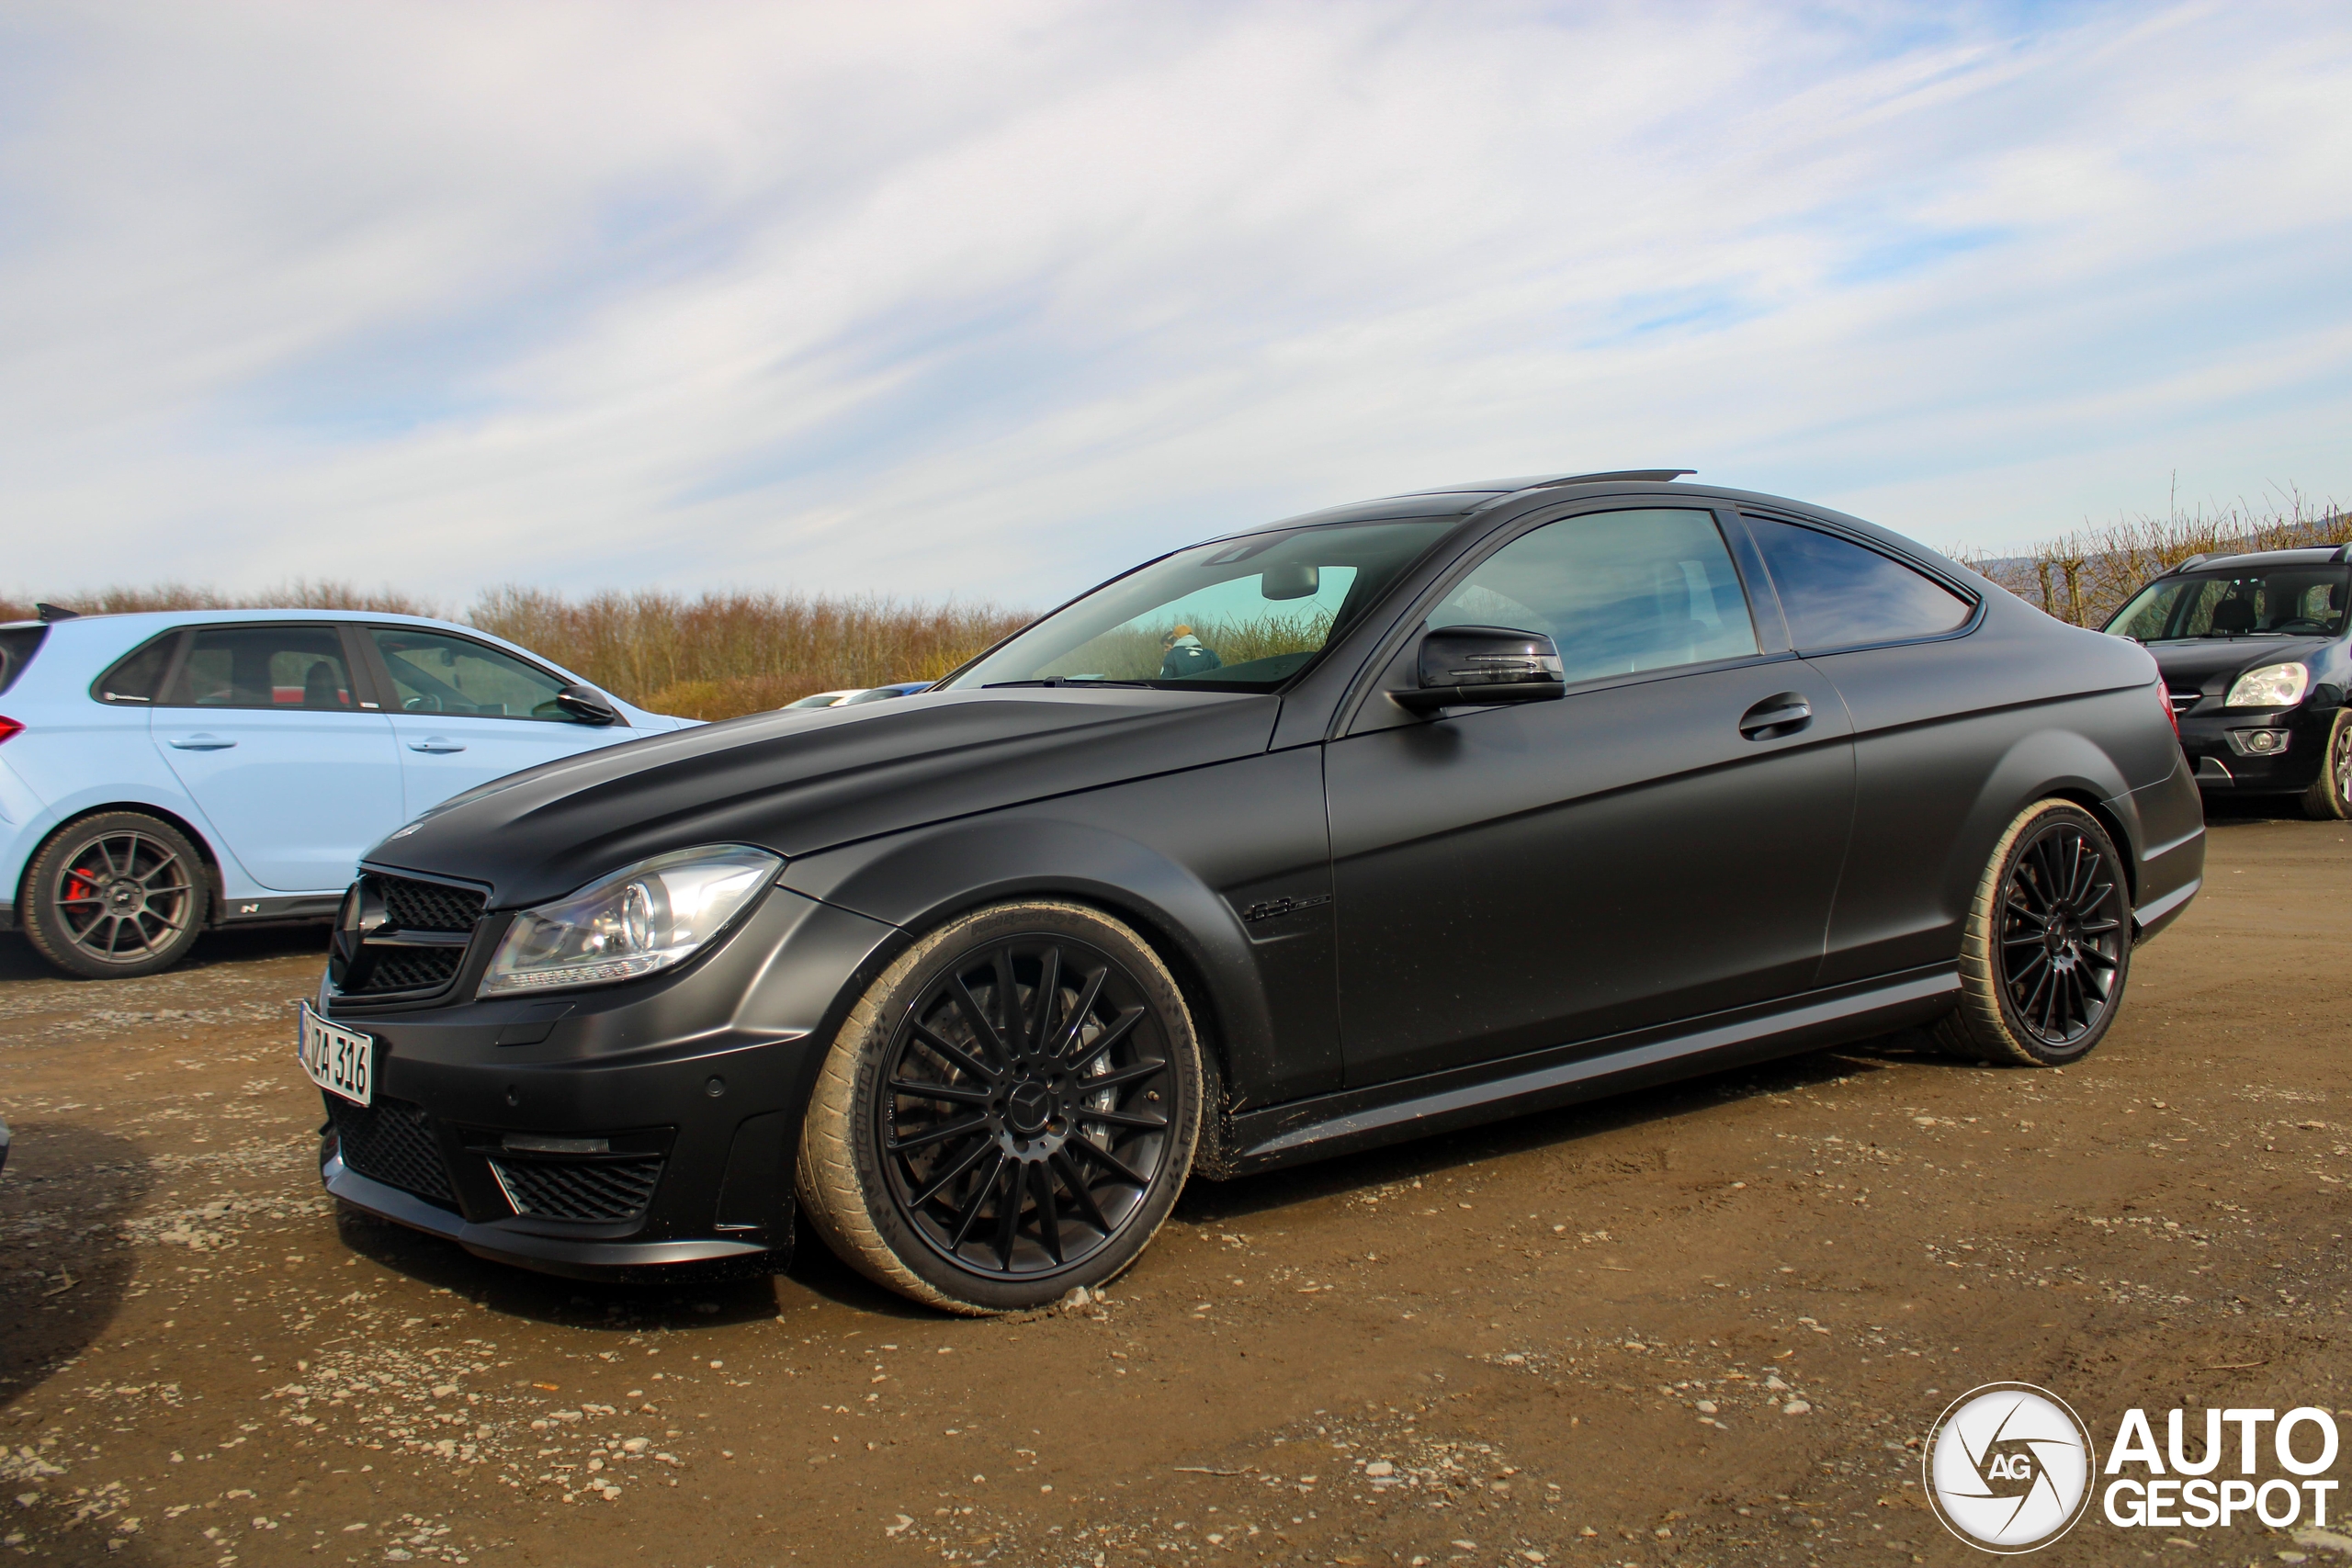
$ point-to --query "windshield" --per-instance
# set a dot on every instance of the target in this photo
(2286, 600)
(1237, 615)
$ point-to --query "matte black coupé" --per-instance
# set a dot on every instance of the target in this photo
(1485, 799)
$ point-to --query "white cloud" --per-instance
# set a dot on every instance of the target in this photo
(992, 300)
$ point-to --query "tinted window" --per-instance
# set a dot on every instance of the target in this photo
(139, 677)
(1838, 594)
(16, 646)
(1619, 592)
(264, 667)
(434, 672)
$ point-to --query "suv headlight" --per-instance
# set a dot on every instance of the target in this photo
(648, 918)
(2272, 686)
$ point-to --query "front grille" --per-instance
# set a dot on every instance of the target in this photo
(605, 1190)
(414, 969)
(412, 906)
(2183, 701)
(409, 909)
(393, 1142)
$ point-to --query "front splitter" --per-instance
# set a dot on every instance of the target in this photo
(548, 1255)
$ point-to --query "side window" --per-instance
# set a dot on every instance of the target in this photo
(1619, 592)
(434, 672)
(1838, 594)
(264, 667)
(135, 679)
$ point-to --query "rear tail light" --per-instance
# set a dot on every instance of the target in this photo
(9, 726)
(2172, 715)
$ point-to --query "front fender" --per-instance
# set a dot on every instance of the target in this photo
(1182, 858)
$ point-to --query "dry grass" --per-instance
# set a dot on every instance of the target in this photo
(717, 655)
(702, 656)
(2085, 576)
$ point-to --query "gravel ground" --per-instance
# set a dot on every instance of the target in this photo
(1706, 1325)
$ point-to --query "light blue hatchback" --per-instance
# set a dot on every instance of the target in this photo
(164, 773)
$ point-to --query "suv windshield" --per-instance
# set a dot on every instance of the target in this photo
(2283, 601)
(1237, 615)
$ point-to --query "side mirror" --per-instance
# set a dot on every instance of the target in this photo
(586, 705)
(1484, 667)
(1297, 580)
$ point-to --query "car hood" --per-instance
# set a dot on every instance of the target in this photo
(800, 782)
(2209, 663)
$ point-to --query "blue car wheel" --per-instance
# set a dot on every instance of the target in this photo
(115, 894)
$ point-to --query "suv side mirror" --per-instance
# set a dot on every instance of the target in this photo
(1484, 667)
(586, 705)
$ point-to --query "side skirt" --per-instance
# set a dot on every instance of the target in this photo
(1465, 1097)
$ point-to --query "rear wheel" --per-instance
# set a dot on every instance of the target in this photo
(2330, 797)
(2047, 946)
(116, 894)
(1007, 1113)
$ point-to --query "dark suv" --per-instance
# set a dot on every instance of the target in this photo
(2254, 655)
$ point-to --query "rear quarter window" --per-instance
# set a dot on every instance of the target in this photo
(138, 676)
(1837, 593)
(17, 646)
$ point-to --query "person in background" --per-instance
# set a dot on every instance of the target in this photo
(1183, 655)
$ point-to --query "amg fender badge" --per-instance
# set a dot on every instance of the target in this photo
(1274, 909)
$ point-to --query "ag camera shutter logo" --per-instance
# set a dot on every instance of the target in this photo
(2009, 1467)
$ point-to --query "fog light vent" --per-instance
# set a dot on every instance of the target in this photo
(2258, 742)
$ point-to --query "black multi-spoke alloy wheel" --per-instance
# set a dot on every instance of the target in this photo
(2047, 946)
(1009, 1111)
(2329, 799)
(115, 894)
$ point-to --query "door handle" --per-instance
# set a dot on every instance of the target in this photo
(200, 742)
(437, 743)
(1775, 716)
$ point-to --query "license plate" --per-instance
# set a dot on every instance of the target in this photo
(339, 1061)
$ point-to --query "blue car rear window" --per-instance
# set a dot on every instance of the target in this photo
(17, 646)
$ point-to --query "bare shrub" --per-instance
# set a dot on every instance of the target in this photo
(2084, 577)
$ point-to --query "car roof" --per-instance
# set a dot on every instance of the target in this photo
(2316, 556)
(1454, 500)
(136, 621)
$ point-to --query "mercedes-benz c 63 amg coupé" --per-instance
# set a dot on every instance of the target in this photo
(1385, 819)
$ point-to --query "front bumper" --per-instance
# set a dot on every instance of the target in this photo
(2221, 766)
(695, 1081)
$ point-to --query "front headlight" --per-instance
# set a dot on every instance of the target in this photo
(644, 918)
(2272, 686)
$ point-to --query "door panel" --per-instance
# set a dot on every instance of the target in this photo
(261, 728)
(465, 713)
(1531, 876)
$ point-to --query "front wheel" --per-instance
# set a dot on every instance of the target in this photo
(2330, 797)
(1008, 1112)
(2047, 946)
(115, 894)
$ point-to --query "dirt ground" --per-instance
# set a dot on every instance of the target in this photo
(1707, 1324)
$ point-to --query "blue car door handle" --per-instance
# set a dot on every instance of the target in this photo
(437, 743)
(202, 742)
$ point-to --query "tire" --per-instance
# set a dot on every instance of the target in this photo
(1034, 1196)
(114, 895)
(2330, 797)
(2047, 947)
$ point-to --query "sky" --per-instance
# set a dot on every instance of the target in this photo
(989, 301)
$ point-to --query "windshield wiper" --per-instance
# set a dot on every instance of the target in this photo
(1061, 680)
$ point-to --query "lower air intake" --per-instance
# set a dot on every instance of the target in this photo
(606, 1191)
(393, 1142)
